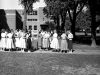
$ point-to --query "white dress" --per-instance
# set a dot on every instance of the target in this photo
(54, 42)
(22, 40)
(10, 43)
(46, 40)
(64, 43)
(17, 40)
(3, 40)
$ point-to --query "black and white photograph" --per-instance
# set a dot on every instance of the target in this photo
(49, 37)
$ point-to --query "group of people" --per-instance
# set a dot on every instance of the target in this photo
(44, 40)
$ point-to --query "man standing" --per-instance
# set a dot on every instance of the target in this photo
(70, 43)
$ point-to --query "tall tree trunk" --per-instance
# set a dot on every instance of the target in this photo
(93, 36)
(63, 19)
(73, 25)
(73, 21)
(63, 25)
(58, 24)
(25, 18)
(93, 22)
(73, 28)
(93, 29)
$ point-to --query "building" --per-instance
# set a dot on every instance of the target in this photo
(35, 19)
(13, 19)
(10, 19)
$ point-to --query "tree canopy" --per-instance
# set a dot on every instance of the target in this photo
(27, 4)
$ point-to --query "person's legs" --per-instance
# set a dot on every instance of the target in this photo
(70, 46)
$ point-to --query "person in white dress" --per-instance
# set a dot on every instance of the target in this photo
(3, 40)
(10, 43)
(54, 42)
(17, 39)
(43, 39)
(64, 43)
(46, 41)
(22, 40)
(0, 41)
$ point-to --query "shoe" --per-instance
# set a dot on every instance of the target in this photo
(29, 51)
(22, 51)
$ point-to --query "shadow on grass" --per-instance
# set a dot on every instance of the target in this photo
(85, 40)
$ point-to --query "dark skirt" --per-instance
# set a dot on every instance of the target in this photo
(29, 43)
(70, 44)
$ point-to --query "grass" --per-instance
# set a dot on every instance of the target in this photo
(83, 42)
(13, 63)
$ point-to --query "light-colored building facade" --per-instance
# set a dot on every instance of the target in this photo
(34, 19)
(13, 19)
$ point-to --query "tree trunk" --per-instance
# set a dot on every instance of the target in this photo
(73, 27)
(93, 22)
(73, 23)
(93, 38)
(63, 24)
(93, 32)
(25, 19)
(58, 24)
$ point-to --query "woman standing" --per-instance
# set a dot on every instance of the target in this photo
(64, 43)
(3, 39)
(34, 41)
(10, 43)
(46, 41)
(55, 43)
(17, 39)
(22, 40)
(28, 37)
(70, 41)
(0, 40)
(39, 40)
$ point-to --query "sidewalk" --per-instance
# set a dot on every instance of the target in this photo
(78, 49)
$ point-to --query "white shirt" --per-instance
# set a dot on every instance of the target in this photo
(70, 36)
(63, 36)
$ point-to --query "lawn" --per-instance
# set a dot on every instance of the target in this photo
(86, 40)
(13, 63)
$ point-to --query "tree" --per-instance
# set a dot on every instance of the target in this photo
(74, 8)
(28, 7)
(83, 21)
(51, 25)
(94, 11)
(57, 10)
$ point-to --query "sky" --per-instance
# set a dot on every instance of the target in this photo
(14, 4)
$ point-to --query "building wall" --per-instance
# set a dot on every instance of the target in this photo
(33, 20)
(19, 23)
(41, 19)
(3, 20)
(10, 19)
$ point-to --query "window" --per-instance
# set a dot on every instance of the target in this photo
(32, 19)
(30, 27)
(32, 13)
(35, 27)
